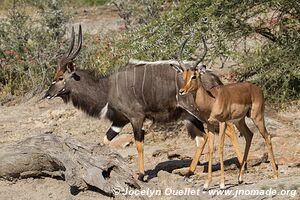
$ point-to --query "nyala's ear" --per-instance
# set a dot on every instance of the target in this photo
(76, 76)
(177, 68)
(71, 67)
(202, 69)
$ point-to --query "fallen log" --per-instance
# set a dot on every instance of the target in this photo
(81, 166)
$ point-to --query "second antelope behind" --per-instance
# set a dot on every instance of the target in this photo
(229, 103)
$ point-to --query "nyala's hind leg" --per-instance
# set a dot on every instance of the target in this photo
(197, 155)
(195, 129)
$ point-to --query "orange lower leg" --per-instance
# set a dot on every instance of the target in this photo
(140, 149)
(198, 154)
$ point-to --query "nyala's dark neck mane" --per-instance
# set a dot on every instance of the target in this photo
(89, 92)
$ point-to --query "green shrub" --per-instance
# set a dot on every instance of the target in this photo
(271, 60)
(29, 47)
(89, 2)
(155, 31)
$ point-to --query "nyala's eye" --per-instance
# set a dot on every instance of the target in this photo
(193, 77)
(60, 78)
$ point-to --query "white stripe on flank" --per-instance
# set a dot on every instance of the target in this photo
(159, 62)
(116, 129)
(126, 80)
(104, 111)
(133, 88)
(174, 62)
(144, 77)
(176, 87)
(117, 77)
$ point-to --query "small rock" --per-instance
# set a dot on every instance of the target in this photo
(257, 159)
(181, 171)
(163, 174)
(159, 152)
(173, 154)
(272, 123)
(296, 123)
(289, 160)
(181, 154)
(283, 169)
(122, 141)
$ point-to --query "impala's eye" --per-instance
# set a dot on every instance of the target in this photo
(193, 77)
(60, 78)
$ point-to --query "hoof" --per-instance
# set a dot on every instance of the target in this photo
(187, 176)
(105, 140)
(212, 120)
(240, 180)
(186, 179)
(141, 177)
(205, 187)
(222, 186)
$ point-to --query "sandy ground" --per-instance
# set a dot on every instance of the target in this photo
(168, 150)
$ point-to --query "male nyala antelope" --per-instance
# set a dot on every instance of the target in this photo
(228, 103)
(135, 92)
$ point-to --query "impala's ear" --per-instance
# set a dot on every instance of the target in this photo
(202, 69)
(177, 68)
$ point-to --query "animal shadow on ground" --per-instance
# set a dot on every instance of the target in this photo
(171, 165)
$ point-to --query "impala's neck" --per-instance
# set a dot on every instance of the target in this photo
(204, 100)
(89, 94)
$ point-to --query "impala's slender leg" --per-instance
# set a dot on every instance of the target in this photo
(197, 155)
(243, 128)
(210, 154)
(221, 150)
(260, 124)
(231, 133)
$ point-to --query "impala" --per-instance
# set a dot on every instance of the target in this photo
(227, 103)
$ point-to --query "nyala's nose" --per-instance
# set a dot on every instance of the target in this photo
(181, 91)
(45, 96)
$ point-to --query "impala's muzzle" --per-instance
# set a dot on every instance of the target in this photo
(182, 92)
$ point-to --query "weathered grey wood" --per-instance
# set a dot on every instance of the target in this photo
(80, 165)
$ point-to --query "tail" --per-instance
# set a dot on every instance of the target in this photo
(194, 127)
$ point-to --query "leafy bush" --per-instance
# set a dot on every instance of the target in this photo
(89, 2)
(29, 47)
(261, 37)
(98, 53)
